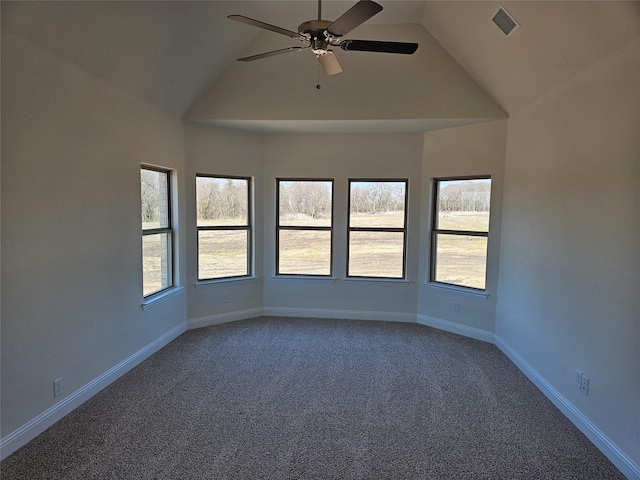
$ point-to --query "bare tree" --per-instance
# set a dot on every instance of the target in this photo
(221, 198)
(149, 188)
(305, 198)
(471, 196)
(377, 197)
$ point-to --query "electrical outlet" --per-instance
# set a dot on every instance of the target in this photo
(225, 297)
(582, 382)
(584, 385)
(57, 388)
(456, 306)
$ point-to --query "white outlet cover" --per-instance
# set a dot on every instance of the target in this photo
(57, 387)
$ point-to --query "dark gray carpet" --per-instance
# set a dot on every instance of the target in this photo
(278, 398)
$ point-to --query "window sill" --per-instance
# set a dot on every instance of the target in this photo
(381, 281)
(224, 281)
(457, 290)
(304, 278)
(161, 297)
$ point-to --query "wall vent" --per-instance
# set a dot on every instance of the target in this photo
(505, 21)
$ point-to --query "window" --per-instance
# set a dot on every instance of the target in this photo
(460, 231)
(377, 228)
(304, 227)
(157, 233)
(223, 221)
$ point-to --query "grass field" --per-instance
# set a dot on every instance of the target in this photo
(461, 259)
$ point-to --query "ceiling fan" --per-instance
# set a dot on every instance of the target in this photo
(320, 35)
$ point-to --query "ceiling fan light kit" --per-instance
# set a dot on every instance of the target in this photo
(320, 35)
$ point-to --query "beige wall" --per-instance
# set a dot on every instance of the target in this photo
(343, 156)
(71, 246)
(568, 295)
(463, 151)
(222, 151)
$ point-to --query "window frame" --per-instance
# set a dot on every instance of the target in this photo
(168, 231)
(248, 227)
(403, 230)
(435, 231)
(305, 228)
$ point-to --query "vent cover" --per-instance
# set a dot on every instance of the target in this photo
(505, 21)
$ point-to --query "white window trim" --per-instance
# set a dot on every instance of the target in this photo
(160, 297)
(224, 281)
(469, 292)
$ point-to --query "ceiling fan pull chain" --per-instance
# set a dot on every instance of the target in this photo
(318, 65)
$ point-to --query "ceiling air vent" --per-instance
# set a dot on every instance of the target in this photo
(504, 21)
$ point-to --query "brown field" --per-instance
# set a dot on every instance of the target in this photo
(152, 265)
(461, 259)
(222, 253)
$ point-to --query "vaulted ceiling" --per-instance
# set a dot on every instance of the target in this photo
(181, 56)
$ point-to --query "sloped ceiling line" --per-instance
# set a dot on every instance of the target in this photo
(178, 55)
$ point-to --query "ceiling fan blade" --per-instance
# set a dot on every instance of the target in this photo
(271, 54)
(356, 15)
(377, 46)
(330, 63)
(266, 26)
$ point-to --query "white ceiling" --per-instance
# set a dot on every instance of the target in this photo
(169, 52)
(166, 52)
(556, 40)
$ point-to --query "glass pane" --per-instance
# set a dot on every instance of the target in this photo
(461, 260)
(156, 263)
(376, 254)
(222, 201)
(222, 253)
(155, 198)
(464, 205)
(305, 252)
(305, 203)
(377, 204)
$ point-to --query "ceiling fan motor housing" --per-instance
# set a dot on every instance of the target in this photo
(315, 29)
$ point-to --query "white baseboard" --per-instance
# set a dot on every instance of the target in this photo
(456, 328)
(339, 314)
(627, 466)
(39, 424)
(217, 319)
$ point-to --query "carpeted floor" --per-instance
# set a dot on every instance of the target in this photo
(284, 398)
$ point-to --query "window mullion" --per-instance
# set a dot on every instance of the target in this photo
(155, 231)
(297, 227)
(463, 233)
(377, 229)
(222, 227)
